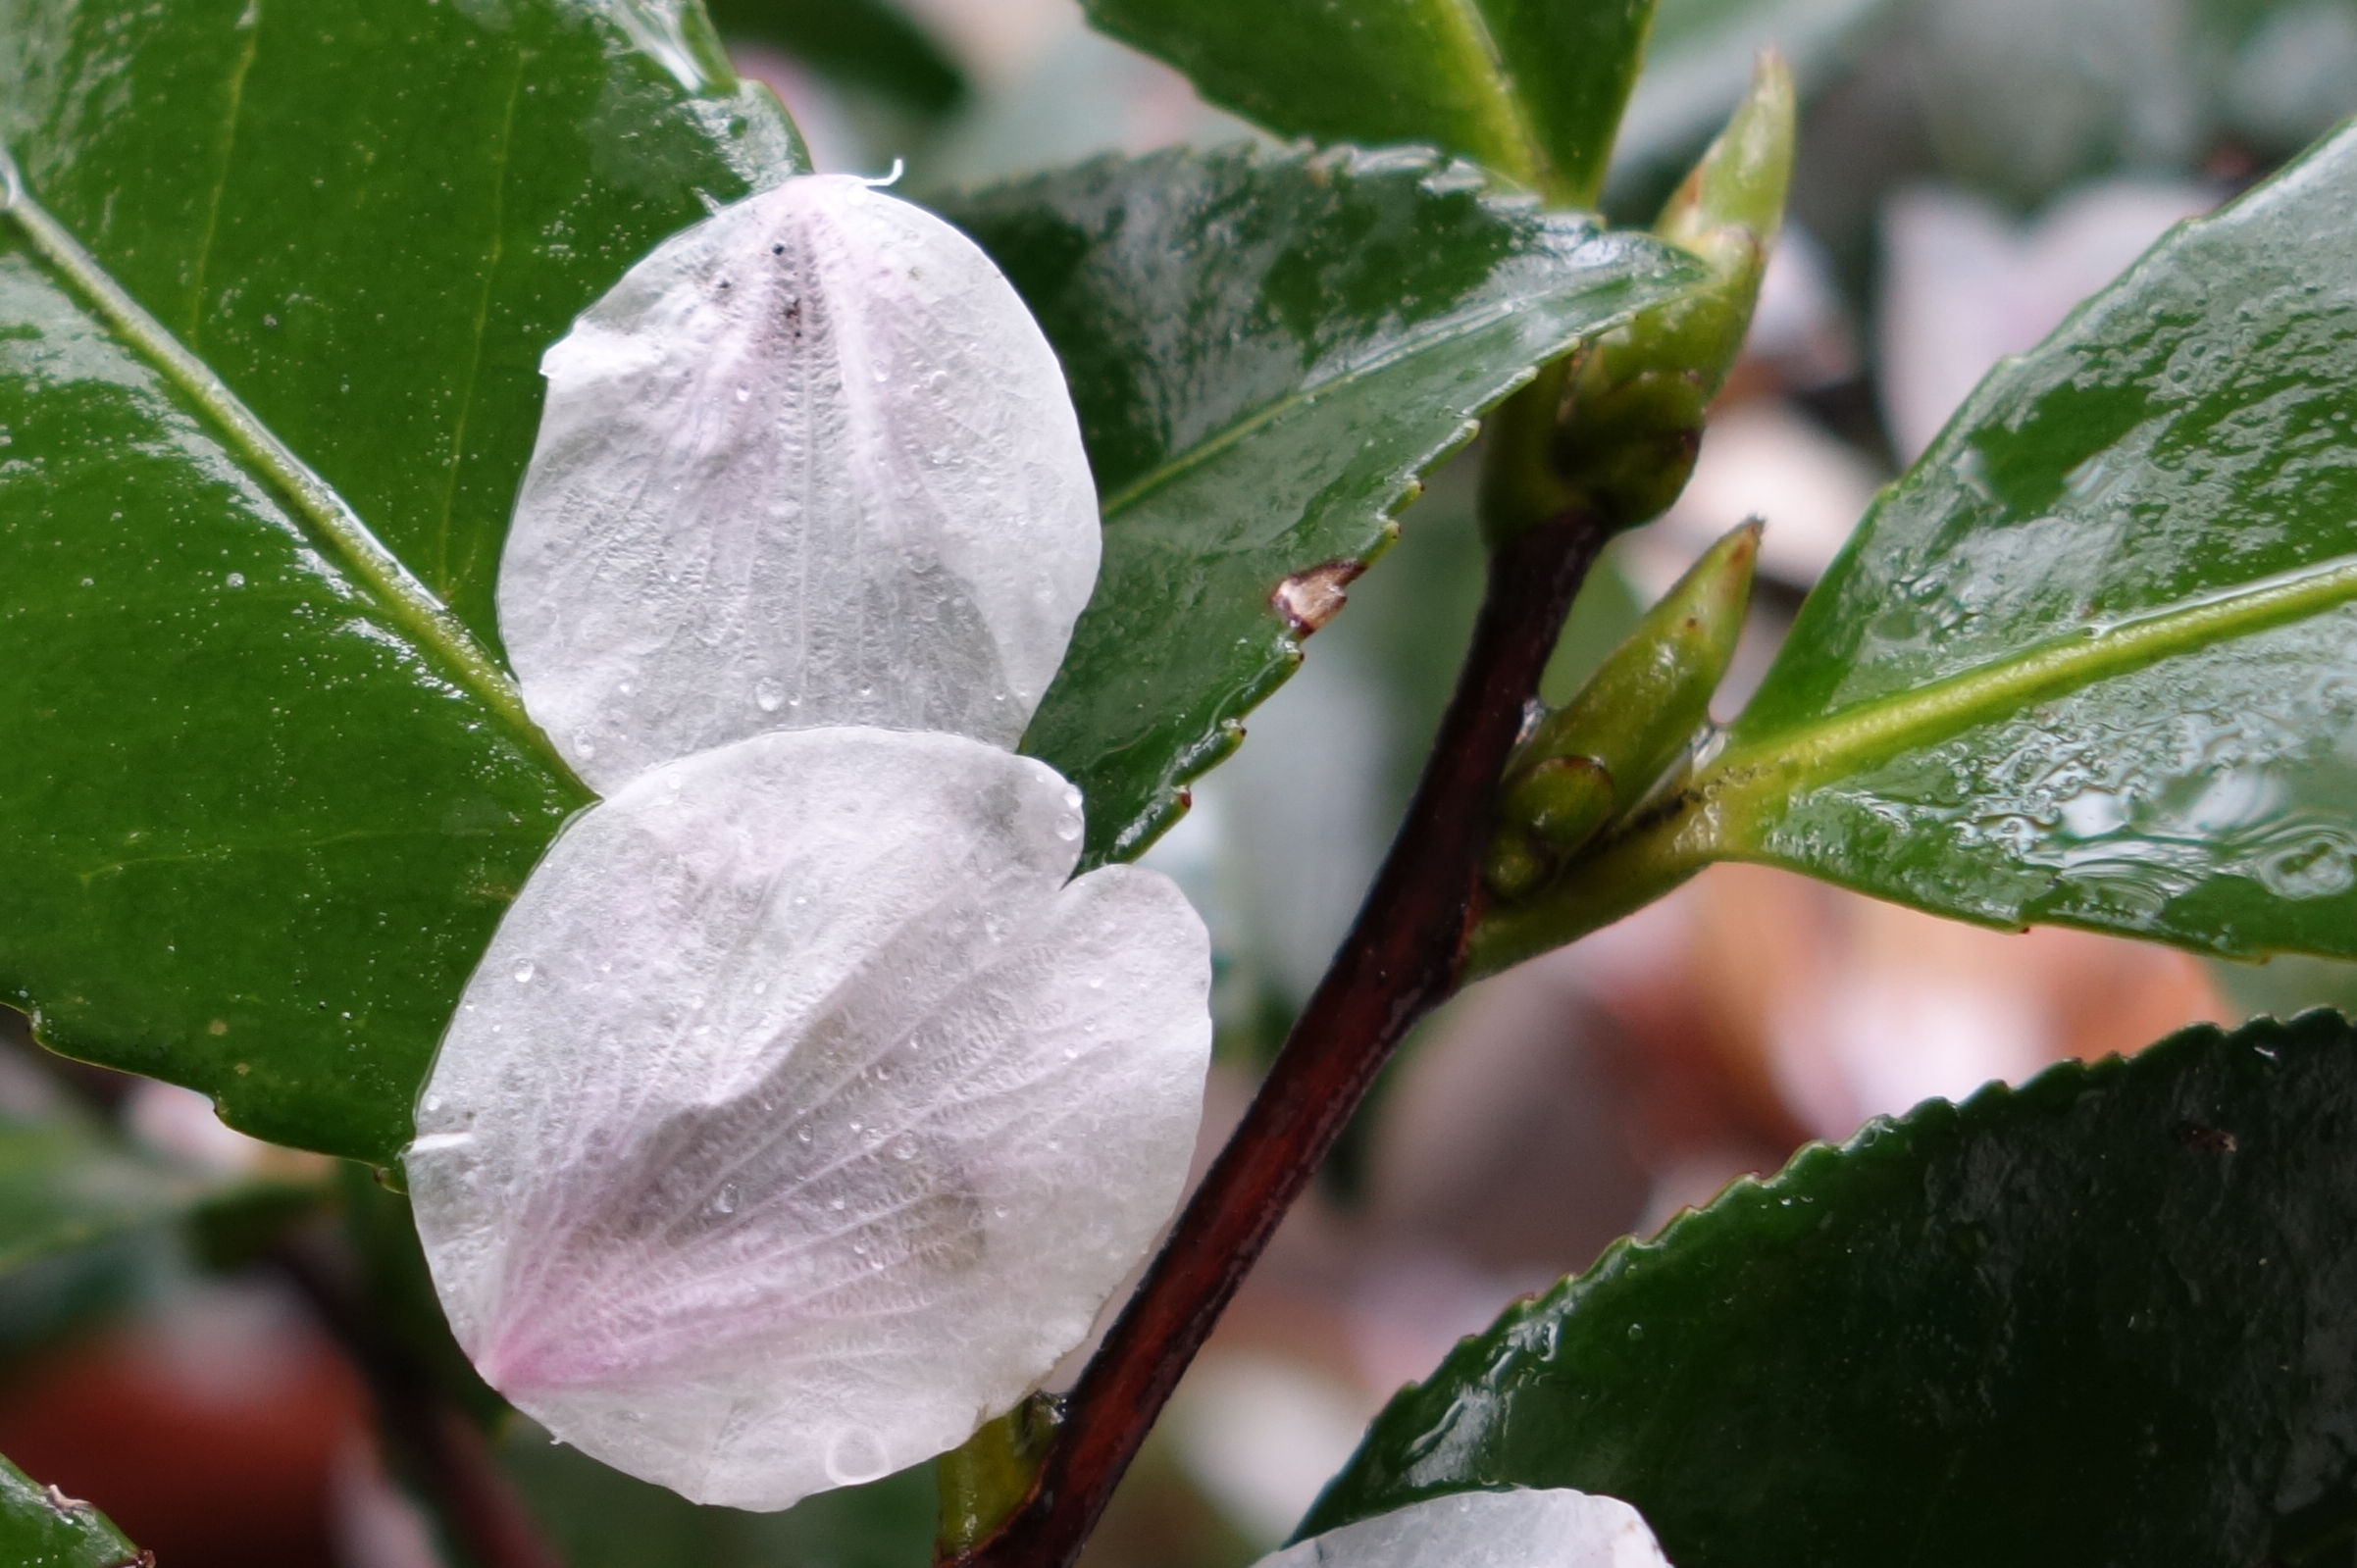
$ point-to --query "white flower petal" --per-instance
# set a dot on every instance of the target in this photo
(801, 1116)
(1550, 1528)
(809, 463)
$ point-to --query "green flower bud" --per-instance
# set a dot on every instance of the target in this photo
(1564, 801)
(1619, 429)
(1587, 763)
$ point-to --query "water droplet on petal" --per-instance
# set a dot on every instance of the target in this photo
(524, 972)
(854, 1458)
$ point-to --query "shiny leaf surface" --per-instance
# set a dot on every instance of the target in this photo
(370, 217)
(2108, 1319)
(2094, 651)
(264, 800)
(41, 1526)
(1268, 353)
(2088, 663)
(1531, 88)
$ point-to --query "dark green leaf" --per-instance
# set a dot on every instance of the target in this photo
(1531, 88)
(370, 217)
(861, 43)
(263, 801)
(2108, 1320)
(2088, 663)
(1269, 352)
(41, 1526)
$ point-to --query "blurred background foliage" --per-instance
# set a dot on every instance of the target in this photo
(1971, 169)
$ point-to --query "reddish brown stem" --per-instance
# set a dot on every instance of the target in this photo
(1402, 959)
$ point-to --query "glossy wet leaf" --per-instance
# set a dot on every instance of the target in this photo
(1530, 88)
(2089, 662)
(2106, 1320)
(872, 44)
(2104, 629)
(262, 804)
(41, 1526)
(370, 217)
(1268, 353)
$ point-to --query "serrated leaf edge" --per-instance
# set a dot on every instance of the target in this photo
(1510, 1337)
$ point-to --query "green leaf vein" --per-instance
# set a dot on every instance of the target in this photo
(1509, 117)
(331, 522)
(499, 163)
(252, 23)
(1840, 743)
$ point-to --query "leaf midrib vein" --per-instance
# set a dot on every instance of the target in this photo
(1768, 767)
(220, 182)
(1720, 814)
(500, 164)
(1506, 113)
(325, 516)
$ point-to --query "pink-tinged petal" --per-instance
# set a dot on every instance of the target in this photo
(810, 463)
(802, 1115)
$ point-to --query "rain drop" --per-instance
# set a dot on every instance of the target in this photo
(854, 1458)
